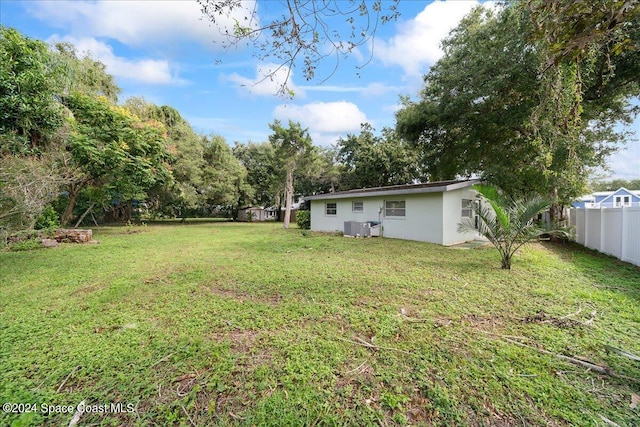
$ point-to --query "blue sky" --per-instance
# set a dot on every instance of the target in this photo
(165, 52)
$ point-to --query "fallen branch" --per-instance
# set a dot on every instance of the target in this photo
(572, 314)
(236, 417)
(372, 346)
(592, 318)
(356, 369)
(585, 364)
(623, 353)
(76, 417)
(162, 360)
(609, 422)
(67, 378)
(188, 416)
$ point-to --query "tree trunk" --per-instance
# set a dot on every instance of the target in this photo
(73, 198)
(85, 214)
(288, 196)
(506, 263)
(553, 209)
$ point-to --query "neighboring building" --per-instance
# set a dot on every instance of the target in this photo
(253, 213)
(609, 199)
(425, 212)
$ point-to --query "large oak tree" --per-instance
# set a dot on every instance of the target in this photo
(492, 107)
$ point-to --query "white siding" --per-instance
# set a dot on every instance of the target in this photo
(427, 218)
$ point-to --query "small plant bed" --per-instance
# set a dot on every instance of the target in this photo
(249, 324)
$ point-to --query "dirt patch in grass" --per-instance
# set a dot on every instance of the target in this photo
(89, 289)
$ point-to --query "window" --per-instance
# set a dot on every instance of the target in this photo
(394, 208)
(331, 209)
(357, 206)
(622, 201)
(467, 206)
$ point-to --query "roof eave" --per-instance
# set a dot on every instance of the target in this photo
(396, 192)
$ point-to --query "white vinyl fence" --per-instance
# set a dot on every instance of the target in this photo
(613, 231)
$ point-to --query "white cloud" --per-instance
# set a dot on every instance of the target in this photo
(134, 22)
(324, 117)
(372, 89)
(268, 81)
(149, 71)
(626, 163)
(417, 43)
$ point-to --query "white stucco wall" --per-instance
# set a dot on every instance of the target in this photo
(452, 215)
(430, 217)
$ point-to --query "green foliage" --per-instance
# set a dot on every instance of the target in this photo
(303, 219)
(82, 75)
(263, 173)
(28, 110)
(572, 28)
(114, 148)
(615, 184)
(491, 107)
(224, 179)
(506, 222)
(375, 161)
(48, 219)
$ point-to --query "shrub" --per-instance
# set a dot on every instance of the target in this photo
(303, 218)
(48, 219)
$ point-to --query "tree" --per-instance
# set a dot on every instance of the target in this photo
(224, 179)
(506, 222)
(82, 74)
(321, 172)
(487, 109)
(261, 164)
(571, 28)
(303, 30)
(292, 146)
(110, 145)
(614, 184)
(368, 160)
(28, 108)
(183, 194)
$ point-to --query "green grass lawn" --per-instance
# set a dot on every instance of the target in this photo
(249, 324)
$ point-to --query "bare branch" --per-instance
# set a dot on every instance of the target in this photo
(307, 31)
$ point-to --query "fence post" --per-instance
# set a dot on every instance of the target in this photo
(586, 227)
(623, 235)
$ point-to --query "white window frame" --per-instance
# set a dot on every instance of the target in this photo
(333, 209)
(467, 208)
(353, 206)
(388, 210)
(620, 201)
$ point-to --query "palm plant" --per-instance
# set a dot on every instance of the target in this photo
(506, 222)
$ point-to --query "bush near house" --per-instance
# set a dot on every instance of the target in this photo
(303, 218)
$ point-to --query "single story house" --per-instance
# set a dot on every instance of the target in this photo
(609, 199)
(428, 212)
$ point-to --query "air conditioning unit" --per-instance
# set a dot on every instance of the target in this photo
(357, 229)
